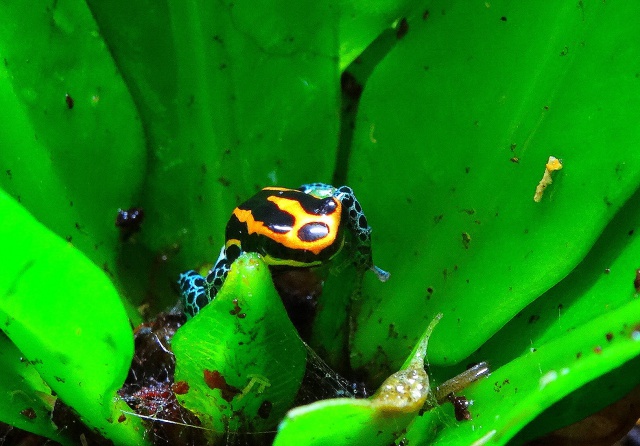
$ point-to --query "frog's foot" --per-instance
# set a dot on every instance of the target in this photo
(193, 291)
(364, 262)
(383, 275)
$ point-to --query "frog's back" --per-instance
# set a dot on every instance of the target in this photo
(287, 227)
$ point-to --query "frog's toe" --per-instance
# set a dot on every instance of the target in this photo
(383, 275)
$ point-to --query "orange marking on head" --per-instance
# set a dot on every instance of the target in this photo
(290, 239)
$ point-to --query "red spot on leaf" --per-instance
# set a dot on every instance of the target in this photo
(180, 387)
(236, 309)
(216, 381)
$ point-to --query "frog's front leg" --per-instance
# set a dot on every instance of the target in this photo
(361, 231)
(197, 291)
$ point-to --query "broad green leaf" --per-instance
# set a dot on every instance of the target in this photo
(481, 85)
(518, 391)
(25, 400)
(330, 330)
(587, 327)
(66, 318)
(240, 356)
(601, 284)
(593, 401)
(72, 145)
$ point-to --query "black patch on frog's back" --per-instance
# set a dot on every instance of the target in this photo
(311, 205)
(267, 212)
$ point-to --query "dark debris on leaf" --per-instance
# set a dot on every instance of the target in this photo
(29, 413)
(70, 425)
(69, 101)
(460, 407)
(129, 221)
(402, 29)
(150, 390)
(350, 86)
(153, 362)
(10, 435)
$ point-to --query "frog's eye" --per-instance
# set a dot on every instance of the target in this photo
(313, 231)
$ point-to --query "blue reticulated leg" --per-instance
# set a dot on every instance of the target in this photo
(361, 231)
(197, 291)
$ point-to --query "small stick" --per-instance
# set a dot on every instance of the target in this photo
(553, 164)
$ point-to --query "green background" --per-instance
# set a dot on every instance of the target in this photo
(187, 108)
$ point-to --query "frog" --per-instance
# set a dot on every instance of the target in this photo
(304, 227)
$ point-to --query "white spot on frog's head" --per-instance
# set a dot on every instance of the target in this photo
(635, 335)
(548, 378)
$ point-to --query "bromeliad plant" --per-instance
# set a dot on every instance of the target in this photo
(186, 109)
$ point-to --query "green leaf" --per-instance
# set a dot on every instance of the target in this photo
(463, 233)
(67, 319)
(25, 400)
(73, 149)
(603, 283)
(518, 391)
(240, 356)
(330, 329)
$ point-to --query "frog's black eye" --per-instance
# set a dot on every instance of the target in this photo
(327, 206)
(313, 231)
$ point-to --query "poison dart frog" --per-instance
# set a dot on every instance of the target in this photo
(295, 227)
